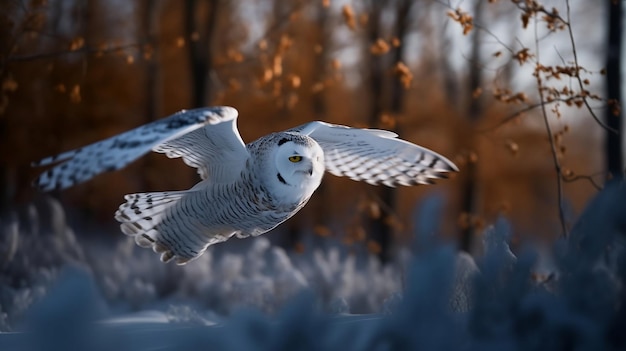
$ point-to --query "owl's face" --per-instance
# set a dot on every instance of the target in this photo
(299, 167)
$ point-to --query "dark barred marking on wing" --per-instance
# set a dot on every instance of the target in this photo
(375, 156)
(118, 151)
(376, 167)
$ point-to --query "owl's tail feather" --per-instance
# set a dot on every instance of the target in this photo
(140, 217)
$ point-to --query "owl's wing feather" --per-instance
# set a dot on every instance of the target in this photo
(179, 135)
(217, 151)
(375, 156)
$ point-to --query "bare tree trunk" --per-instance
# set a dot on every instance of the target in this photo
(200, 22)
(149, 24)
(319, 102)
(614, 157)
(449, 77)
(396, 107)
(7, 186)
(376, 63)
(474, 110)
(378, 230)
(402, 25)
(148, 36)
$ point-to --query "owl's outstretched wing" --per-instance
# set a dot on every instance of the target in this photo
(375, 156)
(217, 150)
(206, 138)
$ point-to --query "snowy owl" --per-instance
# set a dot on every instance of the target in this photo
(245, 189)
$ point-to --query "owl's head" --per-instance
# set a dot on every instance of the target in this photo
(299, 162)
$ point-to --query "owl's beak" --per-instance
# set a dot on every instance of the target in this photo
(308, 172)
(308, 169)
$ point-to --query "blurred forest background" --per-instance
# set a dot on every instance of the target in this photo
(514, 92)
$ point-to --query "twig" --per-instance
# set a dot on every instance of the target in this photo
(579, 177)
(518, 113)
(567, 22)
(555, 158)
(84, 50)
(276, 27)
(577, 67)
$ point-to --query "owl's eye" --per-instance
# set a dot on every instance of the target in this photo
(295, 159)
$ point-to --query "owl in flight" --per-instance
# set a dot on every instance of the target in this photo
(245, 189)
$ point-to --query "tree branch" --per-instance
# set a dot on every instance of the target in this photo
(577, 67)
(84, 50)
(555, 158)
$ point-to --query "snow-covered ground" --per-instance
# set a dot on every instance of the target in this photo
(59, 294)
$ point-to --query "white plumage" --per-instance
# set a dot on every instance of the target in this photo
(245, 189)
